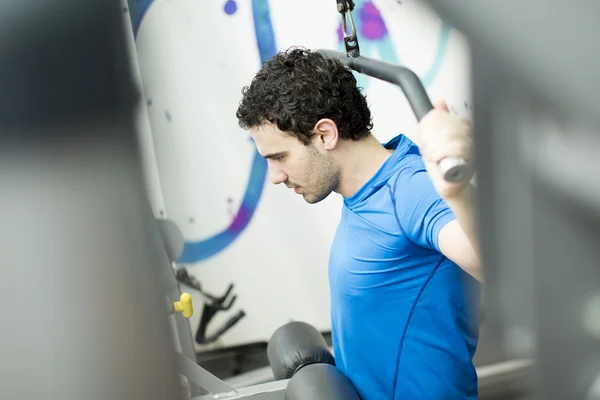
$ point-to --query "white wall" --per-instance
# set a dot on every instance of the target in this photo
(194, 58)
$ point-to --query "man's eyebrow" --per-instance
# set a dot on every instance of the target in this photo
(274, 155)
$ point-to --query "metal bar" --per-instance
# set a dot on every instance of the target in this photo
(185, 345)
(491, 376)
(182, 334)
(503, 371)
(510, 379)
(539, 97)
(202, 377)
(251, 378)
(266, 391)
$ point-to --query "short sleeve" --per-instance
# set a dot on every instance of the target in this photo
(420, 210)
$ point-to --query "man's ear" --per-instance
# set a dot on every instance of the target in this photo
(326, 134)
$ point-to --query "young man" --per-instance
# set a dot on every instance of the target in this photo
(403, 268)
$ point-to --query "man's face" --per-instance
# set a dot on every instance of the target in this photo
(307, 170)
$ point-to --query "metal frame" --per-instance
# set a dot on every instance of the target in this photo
(536, 80)
(266, 391)
(219, 389)
(501, 378)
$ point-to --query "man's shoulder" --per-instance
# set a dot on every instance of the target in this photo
(407, 167)
(403, 144)
(406, 157)
(374, 215)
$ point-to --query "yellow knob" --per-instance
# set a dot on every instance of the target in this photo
(184, 305)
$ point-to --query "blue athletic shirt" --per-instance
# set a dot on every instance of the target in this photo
(404, 317)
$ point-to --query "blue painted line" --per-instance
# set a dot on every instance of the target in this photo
(263, 28)
(137, 11)
(440, 55)
(204, 249)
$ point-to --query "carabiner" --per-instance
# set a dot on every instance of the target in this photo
(350, 39)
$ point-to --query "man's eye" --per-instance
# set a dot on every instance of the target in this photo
(280, 158)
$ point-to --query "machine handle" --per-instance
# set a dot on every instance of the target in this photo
(453, 169)
(184, 306)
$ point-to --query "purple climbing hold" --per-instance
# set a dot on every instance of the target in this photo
(124, 9)
(230, 7)
(373, 26)
(149, 103)
(168, 115)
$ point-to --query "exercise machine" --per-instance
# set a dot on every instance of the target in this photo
(78, 231)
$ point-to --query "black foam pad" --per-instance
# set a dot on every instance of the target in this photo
(295, 345)
(320, 382)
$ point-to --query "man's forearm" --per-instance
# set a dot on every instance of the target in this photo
(464, 208)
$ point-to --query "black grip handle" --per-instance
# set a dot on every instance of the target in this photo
(453, 169)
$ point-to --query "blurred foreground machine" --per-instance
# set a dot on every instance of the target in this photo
(536, 76)
(87, 269)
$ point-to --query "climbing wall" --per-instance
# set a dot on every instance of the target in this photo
(194, 57)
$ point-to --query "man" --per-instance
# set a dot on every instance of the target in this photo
(403, 268)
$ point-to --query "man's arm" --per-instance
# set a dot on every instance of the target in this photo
(458, 239)
(430, 221)
(441, 135)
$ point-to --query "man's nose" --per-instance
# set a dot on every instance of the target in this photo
(277, 175)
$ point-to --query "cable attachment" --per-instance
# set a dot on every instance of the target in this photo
(345, 8)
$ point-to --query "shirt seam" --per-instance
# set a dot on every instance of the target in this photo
(400, 158)
(392, 192)
(408, 320)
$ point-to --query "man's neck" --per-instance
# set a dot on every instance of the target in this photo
(359, 162)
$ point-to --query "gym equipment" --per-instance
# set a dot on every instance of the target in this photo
(453, 169)
(320, 381)
(536, 82)
(172, 238)
(212, 306)
(294, 346)
(97, 267)
(83, 261)
(302, 366)
(298, 352)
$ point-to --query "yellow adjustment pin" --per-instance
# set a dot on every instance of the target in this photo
(184, 305)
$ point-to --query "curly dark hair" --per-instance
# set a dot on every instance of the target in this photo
(298, 87)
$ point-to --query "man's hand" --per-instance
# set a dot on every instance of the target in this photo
(440, 135)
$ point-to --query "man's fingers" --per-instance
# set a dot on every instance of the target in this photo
(441, 105)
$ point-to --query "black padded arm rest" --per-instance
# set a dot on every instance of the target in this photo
(320, 382)
(294, 346)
